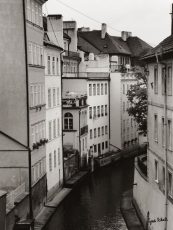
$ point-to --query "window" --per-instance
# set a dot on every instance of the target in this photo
(106, 144)
(102, 111)
(106, 88)
(95, 133)
(123, 89)
(50, 162)
(91, 136)
(29, 10)
(57, 96)
(101, 89)
(59, 158)
(50, 130)
(106, 129)
(83, 142)
(103, 145)
(155, 80)
(68, 121)
(102, 130)
(90, 90)
(94, 112)
(163, 177)
(90, 112)
(54, 128)
(53, 65)
(48, 65)
(106, 110)
(30, 53)
(163, 80)
(98, 89)
(98, 111)
(94, 89)
(57, 66)
(58, 127)
(95, 148)
(163, 133)
(156, 171)
(155, 128)
(169, 134)
(99, 132)
(54, 94)
(123, 106)
(49, 98)
(41, 56)
(54, 158)
(170, 184)
(169, 82)
(31, 96)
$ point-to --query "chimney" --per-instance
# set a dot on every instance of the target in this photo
(55, 29)
(125, 35)
(103, 30)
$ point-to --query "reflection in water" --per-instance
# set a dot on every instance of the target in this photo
(95, 204)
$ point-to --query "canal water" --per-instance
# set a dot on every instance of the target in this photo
(95, 204)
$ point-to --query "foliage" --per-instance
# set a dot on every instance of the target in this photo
(137, 96)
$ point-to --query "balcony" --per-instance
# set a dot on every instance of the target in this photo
(84, 130)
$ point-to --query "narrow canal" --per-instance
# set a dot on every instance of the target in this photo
(95, 204)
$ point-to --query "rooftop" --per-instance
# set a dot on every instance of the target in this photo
(133, 46)
(164, 47)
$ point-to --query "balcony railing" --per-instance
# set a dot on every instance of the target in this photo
(84, 130)
(14, 194)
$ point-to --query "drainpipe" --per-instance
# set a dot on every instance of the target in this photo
(109, 99)
(166, 147)
(61, 69)
(79, 140)
(28, 118)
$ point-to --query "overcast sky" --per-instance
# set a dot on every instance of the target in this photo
(148, 19)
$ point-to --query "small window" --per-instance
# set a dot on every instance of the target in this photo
(68, 121)
(90, 89)
(156, 171)
(50, 162)
(91, 134)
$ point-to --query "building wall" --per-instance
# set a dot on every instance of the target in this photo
(53, 115)
(13, 116)
(71, 137)
(98, 122)
(115, 109)
(150, 195)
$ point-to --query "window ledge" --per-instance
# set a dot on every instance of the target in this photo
(37, 107)
(37, 66)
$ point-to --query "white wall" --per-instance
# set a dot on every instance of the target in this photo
(54, 177)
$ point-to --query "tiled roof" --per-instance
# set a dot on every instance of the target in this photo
(106, 45)
(165, 46)
(137, 46)
(134, 46)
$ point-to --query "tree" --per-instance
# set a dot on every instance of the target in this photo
(137, 96)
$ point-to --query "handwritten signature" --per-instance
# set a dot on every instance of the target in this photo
(158, 219)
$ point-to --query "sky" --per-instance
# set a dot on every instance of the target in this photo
(148, 19)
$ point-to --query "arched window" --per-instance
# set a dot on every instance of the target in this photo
(68, 121)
